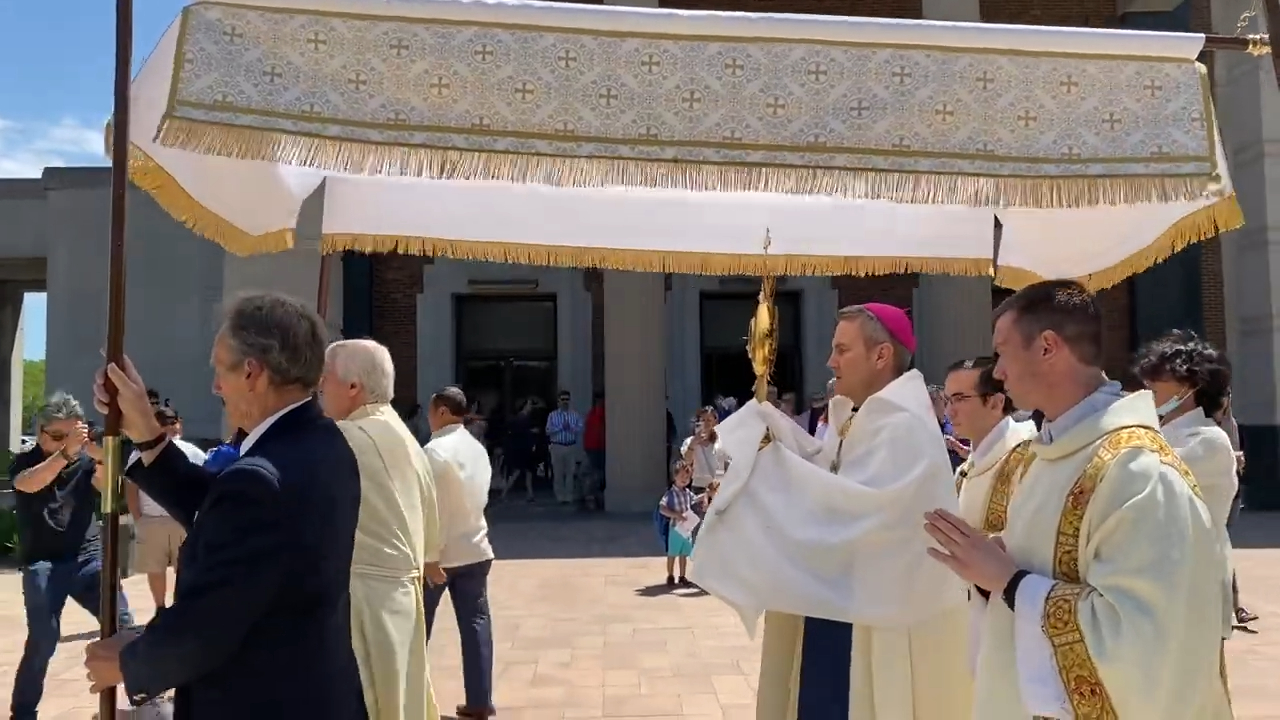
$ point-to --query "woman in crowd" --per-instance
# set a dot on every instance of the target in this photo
(1191, 380)
(702, 450)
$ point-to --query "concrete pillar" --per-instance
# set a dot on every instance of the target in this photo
(11, 371)
(294, 272)
(1248, 105)
(635, 355)
(952, 314)
(17, 375)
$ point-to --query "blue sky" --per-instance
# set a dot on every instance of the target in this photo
(56, 97)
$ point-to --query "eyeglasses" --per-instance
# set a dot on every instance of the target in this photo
(957, 398)
(55, 436)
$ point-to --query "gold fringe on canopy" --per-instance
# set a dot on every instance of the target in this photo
(692, 263)
(146, 173)
(169, 194)
(1207, 222)
(378, 159)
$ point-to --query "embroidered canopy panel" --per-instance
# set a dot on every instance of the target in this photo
(676, 141)
(582, 106)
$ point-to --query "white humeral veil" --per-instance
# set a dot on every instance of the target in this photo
(787, 536)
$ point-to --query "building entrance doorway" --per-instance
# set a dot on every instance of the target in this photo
(506, 356)
(726, 369)
(506, 350)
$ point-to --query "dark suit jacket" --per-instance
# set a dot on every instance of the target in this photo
(260, 625)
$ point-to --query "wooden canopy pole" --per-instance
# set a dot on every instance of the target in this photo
(109, 590)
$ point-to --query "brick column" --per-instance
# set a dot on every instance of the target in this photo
(397, 281)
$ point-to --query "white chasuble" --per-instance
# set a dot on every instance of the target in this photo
(985, 481)
(396, 534)
(826, 539)
(985, 484)
(1207, 451)
(1123, 614)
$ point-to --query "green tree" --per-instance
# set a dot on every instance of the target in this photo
(32, 391)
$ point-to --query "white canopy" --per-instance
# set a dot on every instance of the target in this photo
(671, 141)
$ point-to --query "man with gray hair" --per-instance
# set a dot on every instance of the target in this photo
(58, 547)
(398, 536)
(840, 573)
(260, 625)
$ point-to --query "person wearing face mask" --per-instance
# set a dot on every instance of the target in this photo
(1191, 381)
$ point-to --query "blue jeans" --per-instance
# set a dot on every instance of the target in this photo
(45, 589)
(468, 587)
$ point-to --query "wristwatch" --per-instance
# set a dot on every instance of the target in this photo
(1010, 594)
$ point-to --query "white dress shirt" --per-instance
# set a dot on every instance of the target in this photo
(462, 473)
(256, 434)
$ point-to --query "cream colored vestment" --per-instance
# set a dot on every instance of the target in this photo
(1123, 615)
(985, 484)
(789, 536)
(397, 534)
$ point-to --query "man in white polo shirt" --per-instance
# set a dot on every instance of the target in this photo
(158, 535)
(460, 466)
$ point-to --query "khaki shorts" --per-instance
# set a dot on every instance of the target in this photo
(156, 547)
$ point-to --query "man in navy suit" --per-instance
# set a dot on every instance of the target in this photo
(260, 625)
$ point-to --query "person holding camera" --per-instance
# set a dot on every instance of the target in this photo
(58, 546)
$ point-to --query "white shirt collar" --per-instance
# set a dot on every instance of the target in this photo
(992, 440)
(447, 430)
(256, 434)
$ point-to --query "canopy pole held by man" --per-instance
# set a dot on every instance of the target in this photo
(110, 576)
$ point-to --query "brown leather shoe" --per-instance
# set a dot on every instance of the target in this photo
(465, 713)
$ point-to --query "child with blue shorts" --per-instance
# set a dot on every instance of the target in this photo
(678, 502)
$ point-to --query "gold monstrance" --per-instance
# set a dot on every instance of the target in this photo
(762, 338)
(762, 334)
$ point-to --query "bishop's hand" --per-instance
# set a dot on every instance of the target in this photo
(972, 555)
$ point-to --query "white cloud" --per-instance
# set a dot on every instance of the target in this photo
(26, 149)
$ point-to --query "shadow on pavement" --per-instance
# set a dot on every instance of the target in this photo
(542, 532)
(1256, 531)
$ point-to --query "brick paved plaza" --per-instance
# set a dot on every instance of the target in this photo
(581, 631)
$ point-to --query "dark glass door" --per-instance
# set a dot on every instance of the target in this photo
(726, 369)
(506, 350)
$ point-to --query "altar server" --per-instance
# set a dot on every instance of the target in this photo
(859, 627)
(397, 537)
(1107, 582)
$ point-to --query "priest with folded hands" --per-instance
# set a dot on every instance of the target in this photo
(823, 537)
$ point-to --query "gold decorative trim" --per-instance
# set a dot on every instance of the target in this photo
(1079, 674)
(695, 263)
(169, 194)
(1080, 677)
(1003, 485)
(910, 187)
(1204, 223)
(151, 177)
